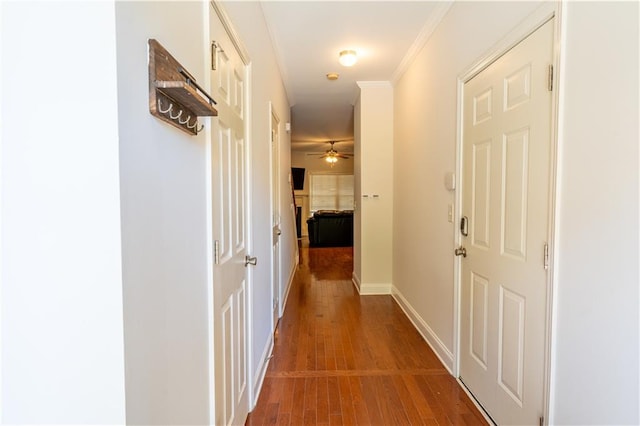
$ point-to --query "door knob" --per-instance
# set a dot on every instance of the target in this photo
(461, 251)
(250, 260)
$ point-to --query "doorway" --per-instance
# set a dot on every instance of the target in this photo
(228, 217)
(505, 228)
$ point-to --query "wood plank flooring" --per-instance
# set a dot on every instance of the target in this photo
(344, 359)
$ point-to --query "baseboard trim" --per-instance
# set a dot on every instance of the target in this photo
(375, 289)
(441, 351)
(369, 289)
(356, 281)
(292, 275)
(258, 379)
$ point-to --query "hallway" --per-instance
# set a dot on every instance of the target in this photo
(344, 359)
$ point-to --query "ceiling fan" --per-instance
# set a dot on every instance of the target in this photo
(331, 156)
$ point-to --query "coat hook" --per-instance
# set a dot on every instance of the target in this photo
(185, 121)
(176, 117)
(165, 111)
(195, 124)
(200, 129)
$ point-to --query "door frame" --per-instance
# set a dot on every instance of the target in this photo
(528, 26)
(275, 199)
(218, 8)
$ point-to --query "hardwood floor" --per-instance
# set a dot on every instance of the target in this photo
(340, 358)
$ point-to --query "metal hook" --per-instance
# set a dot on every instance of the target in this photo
(165, 111)
(195, 127)
(185, 121)
(176, 117)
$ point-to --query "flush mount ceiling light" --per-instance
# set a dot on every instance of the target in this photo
(348, 57)
(333, 76)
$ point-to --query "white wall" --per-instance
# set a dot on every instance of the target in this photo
(595, 377)
(63, 344)
(425, 141)
(164, 232)
(374, 205)
(62, 337)
(595, 353)
(266, 86)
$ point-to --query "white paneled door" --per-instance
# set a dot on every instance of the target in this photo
(505, 196)
(229, 239)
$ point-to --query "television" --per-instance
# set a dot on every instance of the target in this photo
(298, 178)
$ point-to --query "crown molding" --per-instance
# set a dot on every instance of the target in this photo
(428, 29)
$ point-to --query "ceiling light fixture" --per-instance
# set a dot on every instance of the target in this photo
(331, 156)
(348, 58)
(332, 76)
(331, 159)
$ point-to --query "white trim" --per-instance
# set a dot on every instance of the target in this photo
(439, 348)
(285, 297)
(457, 237)
(553, 279)
(369, 289)
(275, 202)
(258, 379)
(209, 215)
(231, 31)
(434, 19)
(526, 27)
(210, 282)
(356, 281)
(248, 226)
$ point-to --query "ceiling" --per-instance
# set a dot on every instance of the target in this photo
(308, 36)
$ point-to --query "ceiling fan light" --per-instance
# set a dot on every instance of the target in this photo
(348, 58)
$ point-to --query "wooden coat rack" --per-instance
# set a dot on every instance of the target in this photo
(174, 95)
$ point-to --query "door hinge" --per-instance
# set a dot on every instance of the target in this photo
(214, 55)
(546, 256)
(550, 78)
(216, 252)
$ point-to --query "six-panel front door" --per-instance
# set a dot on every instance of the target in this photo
(228, 210)
(505, 195)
